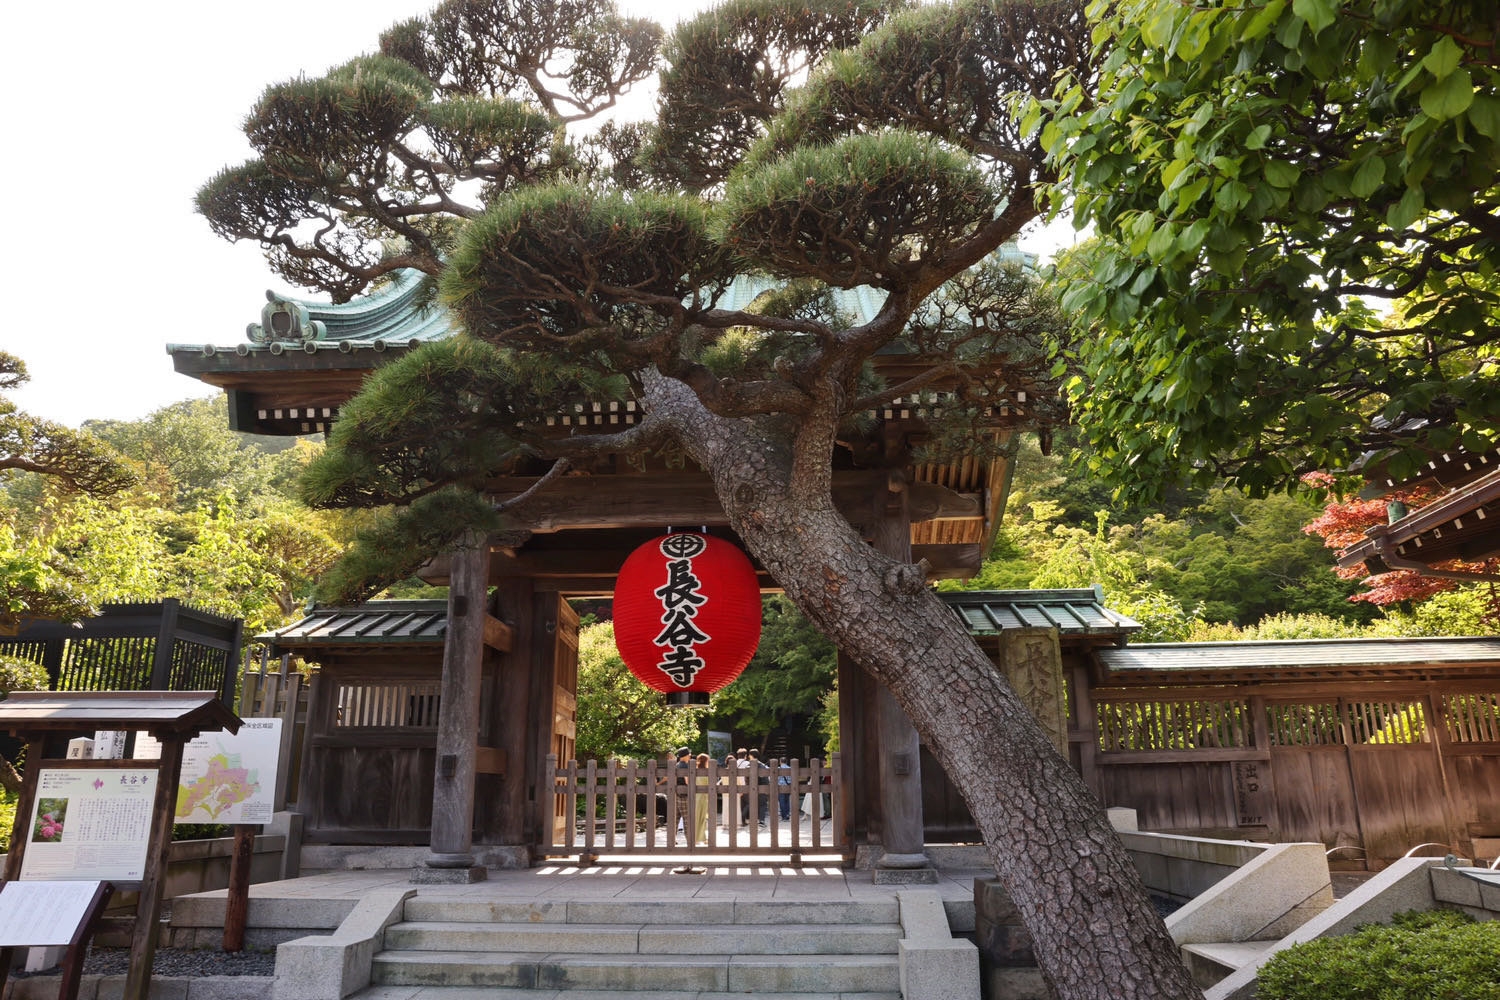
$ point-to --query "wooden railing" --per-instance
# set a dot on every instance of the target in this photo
(633, 807)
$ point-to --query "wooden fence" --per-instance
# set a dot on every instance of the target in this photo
(1370, 767)
(272, 690)
(161, 646)
(632, 807)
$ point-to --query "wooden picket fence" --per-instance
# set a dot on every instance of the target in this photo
(632, 808)
(272, 690)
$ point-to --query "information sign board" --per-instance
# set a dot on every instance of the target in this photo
(90, 823)
(230, 778)
(42, 914)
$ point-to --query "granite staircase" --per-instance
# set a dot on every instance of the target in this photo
(780, 949)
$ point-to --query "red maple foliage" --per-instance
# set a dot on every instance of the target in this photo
(1343, 523)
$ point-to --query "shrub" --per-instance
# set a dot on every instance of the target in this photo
(21, 675)
(7, 818)
(1433, 955)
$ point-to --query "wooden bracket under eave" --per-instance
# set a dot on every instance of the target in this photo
(497, 634)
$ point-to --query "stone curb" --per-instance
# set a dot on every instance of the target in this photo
(334, 966)
(934, 965)
(97, 987)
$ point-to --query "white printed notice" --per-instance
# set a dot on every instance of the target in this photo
(90, 823)
(43, 913)
(230, 778)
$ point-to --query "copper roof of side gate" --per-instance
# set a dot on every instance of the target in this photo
(377, 623)
(1300, 659)
(1078, 612)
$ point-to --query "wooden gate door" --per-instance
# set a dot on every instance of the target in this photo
(564, 706)
(1358, 773)
(371, 754)
(1397, 774)
(634, 807)
(1313, 787)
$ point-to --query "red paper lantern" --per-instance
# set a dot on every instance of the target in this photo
(687, 615)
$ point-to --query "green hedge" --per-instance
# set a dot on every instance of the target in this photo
(1432, 955)
(7, 818)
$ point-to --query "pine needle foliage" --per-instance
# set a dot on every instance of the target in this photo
(950, 70)
(398, 540)
(756, 51)
(457, 412)
(867, 210)
(566, 267)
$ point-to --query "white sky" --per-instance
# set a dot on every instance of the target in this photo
(118, 114)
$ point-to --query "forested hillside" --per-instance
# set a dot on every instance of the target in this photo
(211, 519)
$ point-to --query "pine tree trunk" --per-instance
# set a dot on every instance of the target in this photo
(1095, 932)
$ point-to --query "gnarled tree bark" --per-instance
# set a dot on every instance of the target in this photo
(1096, 934)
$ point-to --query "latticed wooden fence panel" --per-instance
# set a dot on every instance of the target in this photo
(1171, 725)
(1304, 725)
(397, 705)
(1472, 718)
(1386, 722)
(166, 646)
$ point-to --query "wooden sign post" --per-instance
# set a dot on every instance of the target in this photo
(102, 805)
(233, 779)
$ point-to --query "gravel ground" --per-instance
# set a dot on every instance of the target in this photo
(1165, 907)
(179, 962)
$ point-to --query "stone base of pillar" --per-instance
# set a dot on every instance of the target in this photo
(905, 876)
(503, 856)
(423, 875)
(904, 869)
(890, 859)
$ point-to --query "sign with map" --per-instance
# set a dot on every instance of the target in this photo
(230, 778)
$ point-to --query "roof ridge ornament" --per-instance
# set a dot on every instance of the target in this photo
(285, 321)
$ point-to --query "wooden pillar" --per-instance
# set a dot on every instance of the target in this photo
(1086, 728)
(515, 734)
(900, 747)
(537, 663)
(161, 659)
(858, 778)
(451, 855)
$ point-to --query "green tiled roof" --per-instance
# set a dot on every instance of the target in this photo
(1283, 654)
(376, 623)
(391, 316)
(1071, 612)
(983, 612)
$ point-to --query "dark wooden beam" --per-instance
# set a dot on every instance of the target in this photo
(591, 567)
(656, 501)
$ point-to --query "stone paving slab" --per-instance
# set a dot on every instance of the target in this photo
(649, 883)
(93, 987)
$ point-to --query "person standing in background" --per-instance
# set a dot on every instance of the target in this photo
(700, 800)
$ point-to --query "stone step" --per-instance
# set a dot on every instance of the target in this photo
(467, 993)
(647, 939)
(655, 911)
(1212, 961)
(759, 974)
